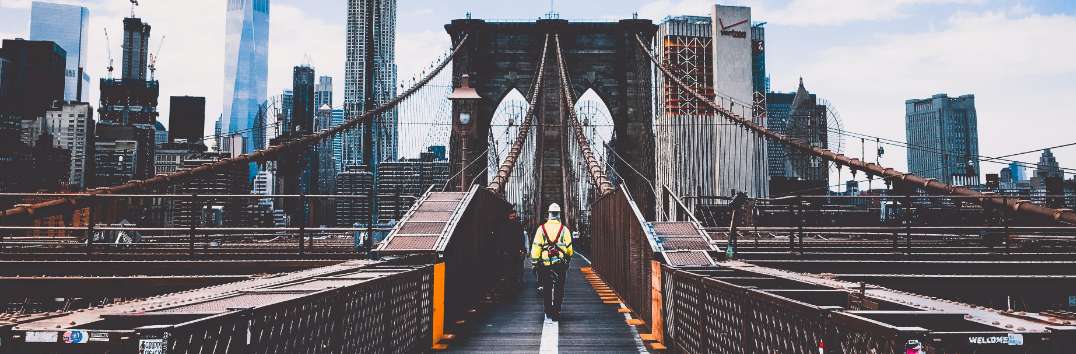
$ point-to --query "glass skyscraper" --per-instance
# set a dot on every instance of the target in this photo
(246, 69)
(66, 25)
(355, 70)
(944, 136)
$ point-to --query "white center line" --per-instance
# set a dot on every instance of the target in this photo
(550, 337)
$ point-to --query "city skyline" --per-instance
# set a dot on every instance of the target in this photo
(873, 45)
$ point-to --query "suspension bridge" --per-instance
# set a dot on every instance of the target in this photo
(650, 277)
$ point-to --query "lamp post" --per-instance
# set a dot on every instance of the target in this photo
(464, 111)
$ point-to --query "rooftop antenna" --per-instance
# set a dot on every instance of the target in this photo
(133, 4)
(108, 48)
(552, 11)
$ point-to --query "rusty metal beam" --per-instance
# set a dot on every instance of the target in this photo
(17, 288)
(1023, 206)
(57, 206)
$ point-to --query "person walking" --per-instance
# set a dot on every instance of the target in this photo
(551, 252)
(511, 249)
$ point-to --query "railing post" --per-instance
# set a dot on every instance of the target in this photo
(302, 221)
(1005, 222)
(190, 237)
(908, 223)
(2, 233)
(90, 221)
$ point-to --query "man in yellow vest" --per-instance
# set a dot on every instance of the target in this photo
(551, 250)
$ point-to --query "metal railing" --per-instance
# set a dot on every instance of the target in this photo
(623, 250)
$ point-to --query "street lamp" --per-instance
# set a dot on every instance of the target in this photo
(464, 109)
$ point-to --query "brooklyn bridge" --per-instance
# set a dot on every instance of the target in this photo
(948, 268)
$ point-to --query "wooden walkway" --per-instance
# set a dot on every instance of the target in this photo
(514, 323)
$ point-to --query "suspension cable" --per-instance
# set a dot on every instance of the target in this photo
(597, 174)
(509, 164)
(1062, 215)
(53, 207)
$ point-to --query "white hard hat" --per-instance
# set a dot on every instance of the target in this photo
(554, 208)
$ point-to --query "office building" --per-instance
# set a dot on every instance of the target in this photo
(1017, 172)
(302, 105)
(160, 135)
(186, 118)
(323, 92)
(229, 211)
(169, 157)
(741, 165)
(122, 153)
(685, 126)
(34, 78)
(326, 166)
(404, 181)
(383, 65)
(246, 70)
(67, 26)
(944, 135)
(71, 125)
(778, 112)
(1048, 166)
(50, 165)
(800, 116)
(355, 182)
(338, 140)
(286, 101)
(760, 82)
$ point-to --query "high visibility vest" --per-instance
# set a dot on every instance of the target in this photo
(552, 235)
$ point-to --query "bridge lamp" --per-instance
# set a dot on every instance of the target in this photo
(465, 110)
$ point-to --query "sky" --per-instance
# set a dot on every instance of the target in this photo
(866, 57)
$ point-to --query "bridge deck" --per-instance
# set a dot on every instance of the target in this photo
(514, 323)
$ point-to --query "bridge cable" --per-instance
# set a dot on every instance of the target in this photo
(56, 206)
(597, 174)
(1061, 215)
(509, 164)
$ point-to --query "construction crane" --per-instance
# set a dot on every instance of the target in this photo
(108, 48)
(153, 59)
(133, 4)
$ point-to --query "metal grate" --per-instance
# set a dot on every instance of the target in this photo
(682, 259)
(441, 216)
(446, 196)
(438, 206)
(235, 302)
(421, 228)
(412, 243)
(684, 243)
(676, 228)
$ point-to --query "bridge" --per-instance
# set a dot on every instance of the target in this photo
(648, 278)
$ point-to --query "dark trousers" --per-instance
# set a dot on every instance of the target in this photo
(552, 278)
(512, 268)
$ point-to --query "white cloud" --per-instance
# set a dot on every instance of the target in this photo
(295, 38)
(799, 12)
(1017, 65)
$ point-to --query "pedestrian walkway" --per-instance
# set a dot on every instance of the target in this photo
(515, 323)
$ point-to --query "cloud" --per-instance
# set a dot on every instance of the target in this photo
(1015, 64)
(296, 37)
(801, 12)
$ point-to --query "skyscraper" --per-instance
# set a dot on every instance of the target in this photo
(186, 118)
(36, 73)
(67, 26)
(741, 165)
(286, 101)
(1047, 166)
(944, 138)
(684, 126)
(357, 69)
(246, 68)
(323, 92)
(126, 133)
(302, 105)
(71, 125)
